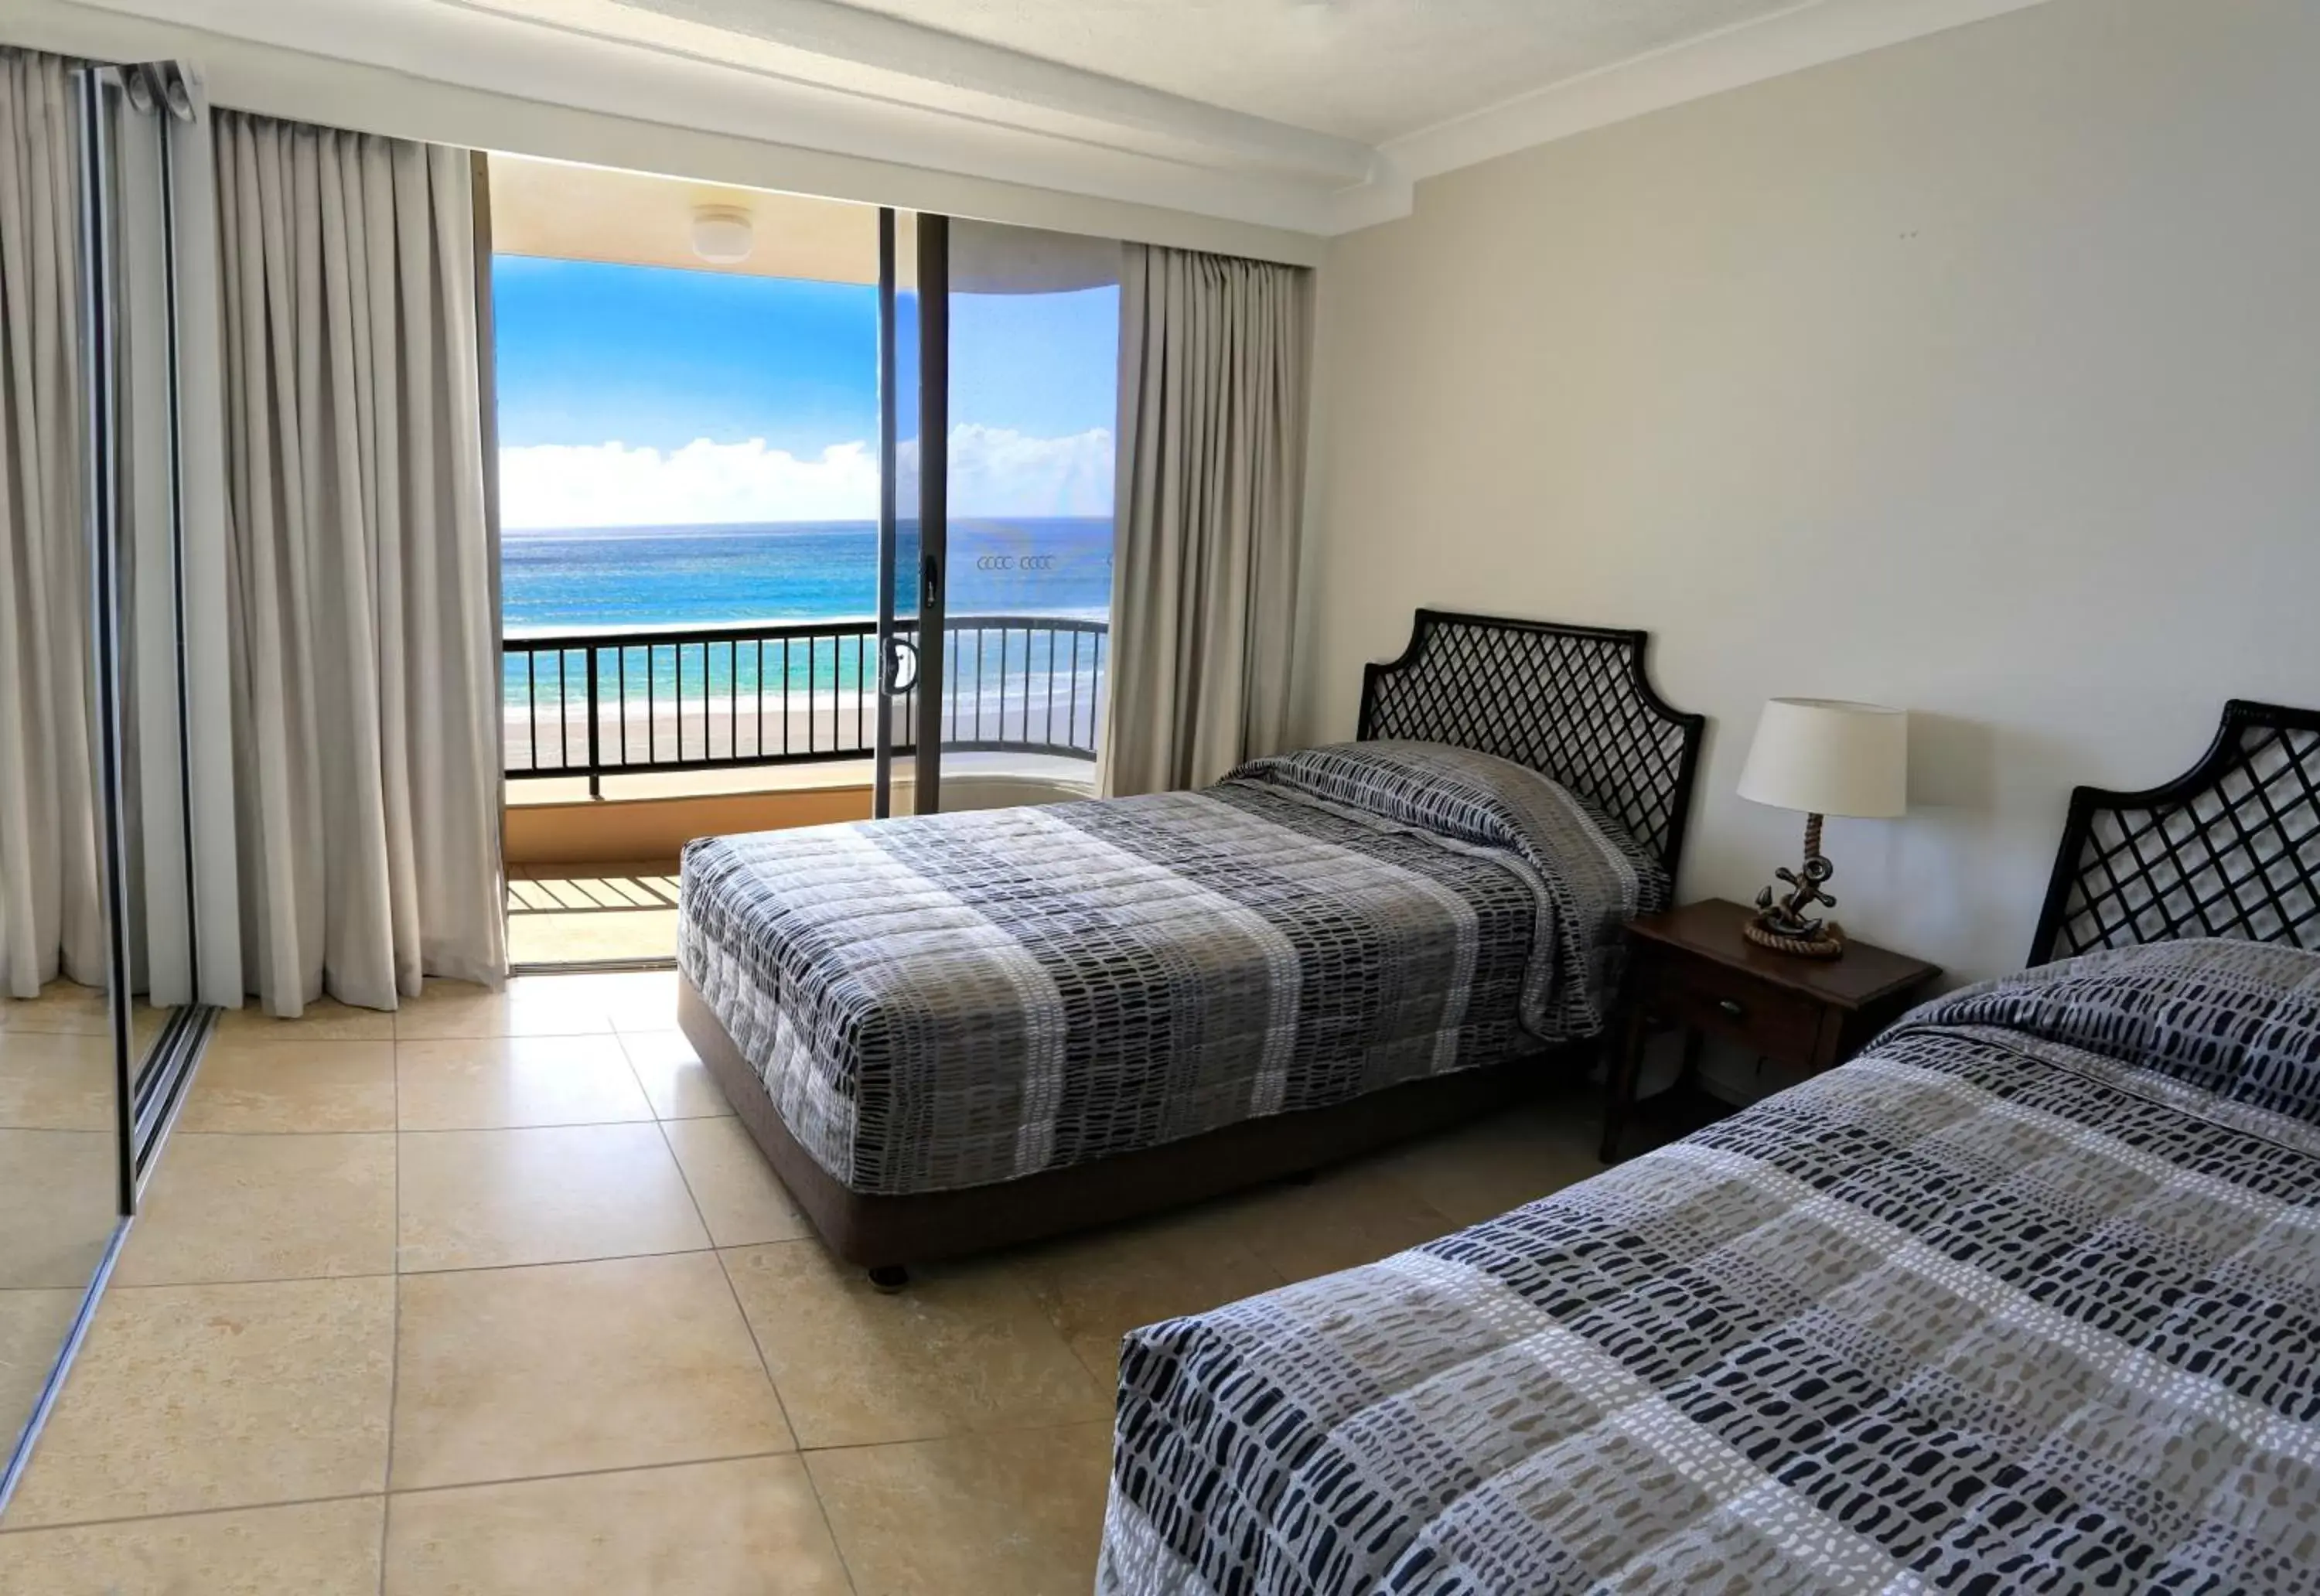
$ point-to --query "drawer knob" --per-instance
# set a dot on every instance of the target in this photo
(1731, 1006)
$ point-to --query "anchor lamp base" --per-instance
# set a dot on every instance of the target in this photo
(1783, 924)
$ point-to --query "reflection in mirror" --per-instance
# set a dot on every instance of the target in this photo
(97, 949)
(61, 1191)
(142, 547)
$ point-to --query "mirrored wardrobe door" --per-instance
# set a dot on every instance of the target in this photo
(62, 1168)
(149, 110)
(98, 952)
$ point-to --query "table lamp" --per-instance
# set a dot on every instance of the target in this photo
(1825, 756)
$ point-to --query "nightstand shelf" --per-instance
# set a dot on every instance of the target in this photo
(1692, 968)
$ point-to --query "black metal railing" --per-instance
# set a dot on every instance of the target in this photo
(602, 703)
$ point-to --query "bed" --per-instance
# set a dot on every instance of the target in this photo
(954, 1032)
(2028, 1298)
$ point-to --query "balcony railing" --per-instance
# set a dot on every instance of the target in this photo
(669, 699)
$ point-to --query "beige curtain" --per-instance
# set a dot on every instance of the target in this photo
(364, 639)
(1213, 372)
(51, 906)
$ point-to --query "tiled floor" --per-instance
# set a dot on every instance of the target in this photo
(495, 1295)
(59, 1186)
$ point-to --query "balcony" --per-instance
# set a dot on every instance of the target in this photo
(621, 745)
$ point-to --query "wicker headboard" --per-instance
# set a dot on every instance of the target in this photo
(1571, 701)
(2229, 849)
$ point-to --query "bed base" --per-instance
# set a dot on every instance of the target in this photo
(883, 1234)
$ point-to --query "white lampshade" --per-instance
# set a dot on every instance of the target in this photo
(1827, 756)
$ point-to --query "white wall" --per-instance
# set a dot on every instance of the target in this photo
(1980, 375)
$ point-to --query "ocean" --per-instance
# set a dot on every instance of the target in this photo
(639, 576)
(634, 577)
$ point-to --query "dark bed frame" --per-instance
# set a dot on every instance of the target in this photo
(2229, 849)
(1571, 701)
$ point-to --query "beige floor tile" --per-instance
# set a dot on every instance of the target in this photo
(678, 1083)
(1019, 1512)
(325, 1019)
(186, 1398)
(1096, 1288)
(263, 1084)
(1348, 1216)
(632, 1000)
(1481, 1171)
(319, 1548)
(527, 1007)
(642, 999)
(32, 1330)
(961, 1349)
(59, 1199)
(62, 1008)
(223, 1208)
(498, 1083)
(506, 1373)
(741, 1199)
(481, 1199)
(55, 1081)
(745, 1528)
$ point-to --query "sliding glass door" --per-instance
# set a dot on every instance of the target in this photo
(912, 397)
(1004, 391)
(785, 482)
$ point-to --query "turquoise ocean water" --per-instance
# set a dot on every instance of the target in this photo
(637, 577)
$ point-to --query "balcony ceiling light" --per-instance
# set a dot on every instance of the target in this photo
(721, 234)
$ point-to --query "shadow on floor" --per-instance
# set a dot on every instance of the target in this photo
(562, 915)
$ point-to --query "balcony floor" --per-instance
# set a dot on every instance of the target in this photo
(592, 914)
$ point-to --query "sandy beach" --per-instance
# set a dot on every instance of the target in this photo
(839, 724)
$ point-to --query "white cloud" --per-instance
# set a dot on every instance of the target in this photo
(610, 484)
(997, 472)
(994, 472)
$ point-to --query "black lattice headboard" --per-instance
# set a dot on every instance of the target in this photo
(2229, 849)
(1572, 702)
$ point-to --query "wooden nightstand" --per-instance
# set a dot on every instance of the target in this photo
(1691, 967)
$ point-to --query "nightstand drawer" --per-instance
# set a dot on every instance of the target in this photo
(1726, 1003)
(1695, 968)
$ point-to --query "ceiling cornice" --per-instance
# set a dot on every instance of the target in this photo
(1811, 34)
(1214, 163)
(815, 75)
(890, 55)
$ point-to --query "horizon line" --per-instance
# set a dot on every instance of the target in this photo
(747, 526)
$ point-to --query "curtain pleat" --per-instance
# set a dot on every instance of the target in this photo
(51, 904)
(364, 646)
(1213, 361)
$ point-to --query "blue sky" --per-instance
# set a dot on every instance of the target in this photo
(652, 396)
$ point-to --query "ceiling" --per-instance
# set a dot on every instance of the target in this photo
(576, 212)
(565, 211)
(1304, 117)
(1371, 70)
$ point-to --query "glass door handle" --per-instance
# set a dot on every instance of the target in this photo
(891, 683)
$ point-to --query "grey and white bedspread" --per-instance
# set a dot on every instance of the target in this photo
(2027, 1299)
(944, 1001)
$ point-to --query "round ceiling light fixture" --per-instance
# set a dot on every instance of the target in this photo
(721, 234)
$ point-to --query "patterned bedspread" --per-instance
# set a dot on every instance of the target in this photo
(2028, 1298)
(964, 997)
